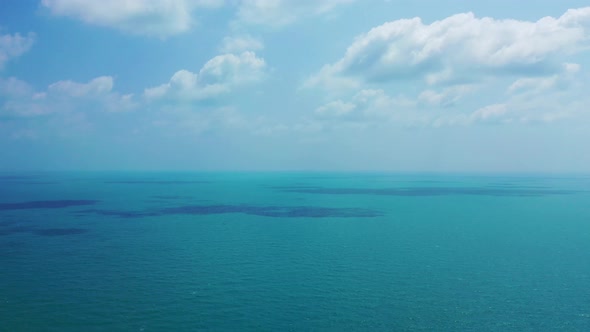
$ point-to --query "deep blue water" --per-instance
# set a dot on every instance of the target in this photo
(294, 252)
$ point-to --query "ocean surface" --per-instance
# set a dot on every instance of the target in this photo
(294, 252)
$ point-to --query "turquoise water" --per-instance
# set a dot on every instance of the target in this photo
(293, 252)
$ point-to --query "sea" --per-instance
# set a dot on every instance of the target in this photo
(294, 251)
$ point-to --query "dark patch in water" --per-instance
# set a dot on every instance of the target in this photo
(15, 229)
(12, 182)
(17, 177)
(42, 231)
(263, 211)
(429, 191)
(118, 213)
(59, 231)
(511, 185)
(154, 182)
(295, 187)
(169, 197)
(58, 204)
(22, 179)
(273, 211)
(6, 223)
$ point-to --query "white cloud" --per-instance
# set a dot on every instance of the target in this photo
(96, 87)
(218, 76)
(12, 46)
(511, 113)
(377, 102)
(184, 85)
(233, 69)
(489, 113)
(374, 107)
(241, 43)
(536, 107)
(13, 87)
(460, 48)
(332, 82)
(447, 97)
(370, 106)
(146, 17)
(283, 12)
(335, 109)
(366, 109)
(571, 68)
(20, 99)
(168, 17)
(533, 83)
(536, 85)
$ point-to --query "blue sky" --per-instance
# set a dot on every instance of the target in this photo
(394, 85)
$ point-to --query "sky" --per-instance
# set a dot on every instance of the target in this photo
(295, 85)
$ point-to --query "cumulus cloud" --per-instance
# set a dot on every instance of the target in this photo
(283, 12)
(490, 113)
(20, 99)
(237, 44)
(446, 97)
(95, 88)
(376, 104)
(336, 108)
(233, 69)
(168, 17)
(536, 85)
(145, 17)
(553, 105)
(13, 87)
(459, 48)
(505, 113)
(369, 106)
(12, 46)
(218, 76)
(375, 107)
